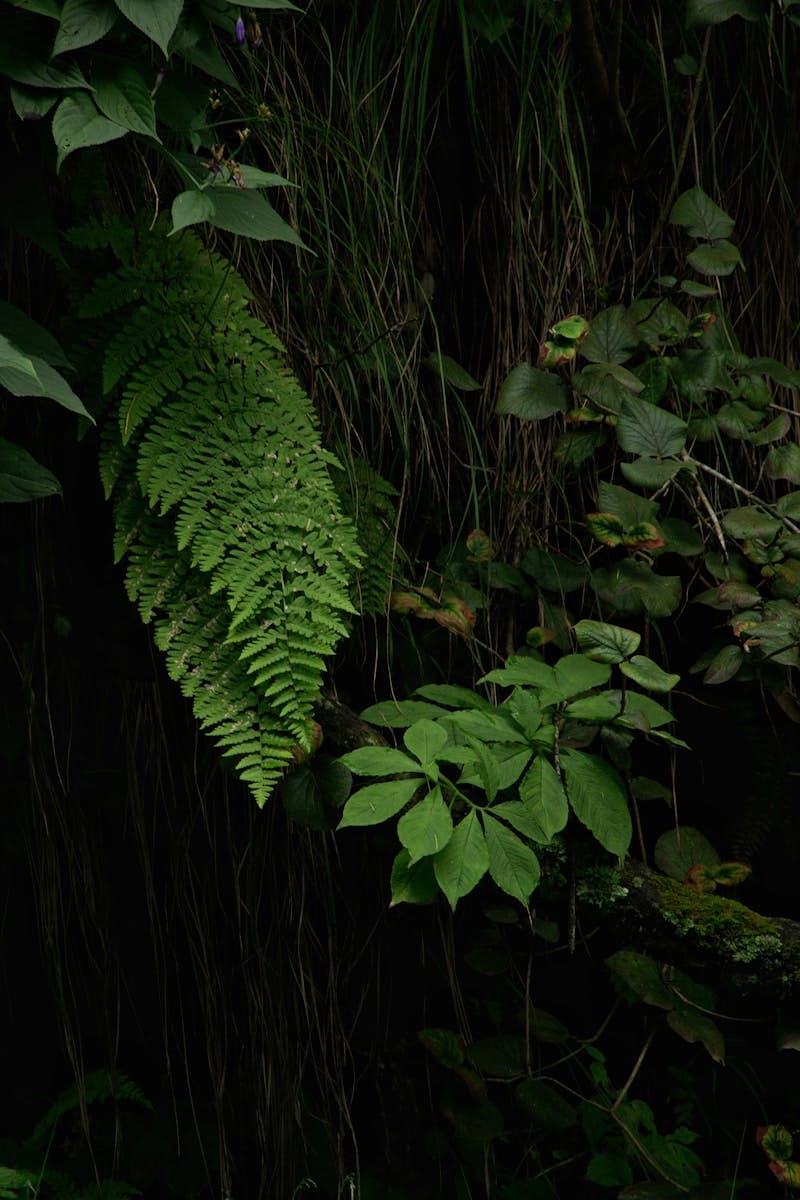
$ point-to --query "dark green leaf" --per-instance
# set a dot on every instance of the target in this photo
(750, 522)
(606, 643)
(31, 106)
(630, 508)
(399, 714)
(528, 672)
(304, 801)
(413, 883)
(21, 477)
(450, 371)
(545, 1105)
(632, 587)
(29, 336)
(520, 817)
(44, 382)
(658, 322)
(595, 709)
(156, 21)
(649, 473)
(609, 1170)
(720, 259)
(598, 799)
(464, 860)
(191, 208)
(501, 1055)
(376, 803)
(724, 665)
(83, 22)
(611, 338)
(576, 674)
(443, 1044)
(532, 394)
(771, 432)
(640, 973)
(424, 739)
(693, 288)
(713, 12)
(699, 215)
(553, 572)
(648, 674)
(694, 1026)
(22, 68)
(606, 385)
(250, 214)
(646, 430)
(512, 865)
(124, 97)
(678, 850)
(783, 462)
(77, 124)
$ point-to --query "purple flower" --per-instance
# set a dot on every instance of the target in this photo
(240, 32)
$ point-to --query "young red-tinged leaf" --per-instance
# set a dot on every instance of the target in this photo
(573, 328)
(512, 865)
(538, 636)
(464, 860)
(701, 879)
(598, 799)
(376, 803)
(606, 528)
(787, 1172)
(427, 827)
(412, 883)
(694, 1026)
(543, 798)
(730, 874)
(556, 353)
(776, 1141)
(644, 536)
(678, 850)
(455, 615)
(480, 547)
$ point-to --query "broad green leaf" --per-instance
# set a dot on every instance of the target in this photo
(637, 705)
(720, 259)
(304, 801)
(21, 477)
(486, 769)
(376, 803)
(700, 216)
(464, 860)
(572, 328)
(575, 674)
(776, 370)
(724, 665)
(497, 726)
(594, 709)
(454, 696)
(399, 714)
(250, 214)
(450, 371)
(606, 385)
(609, 1170)
(606, 643)
(736, 595)
(611, 337)
(545, 1105)
(650, 472)
(518, 815)
(45, 382)
(13, 359)
(751, 522)
(31, 106)
(424, 739)
(526, 710)
(512, 865)
(156, 21)
(783, 462)
(77, 124)
(658, 322)
(124, 97)
(694, 1026)
(445, 1046)
(598, 799)
(28, 336)
(191, 208)
(647, 674)
(501, 1055)
(23, 68)
(650, 789)
(678, 850)
(553, 572)
(771, 432)
(692, 288)
(378, 760)
(83, 22)
(633, 587)
(275, 5)
(649, 431)
(543, 798)
(640, 973)
(531, 394)
(206, 57)
(630, 508)
(427, 827)
(509, 761)
(698, 371)
(713, 12)
(528, 672)
(413, 883)
(680, 537)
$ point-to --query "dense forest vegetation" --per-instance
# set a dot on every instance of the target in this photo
(400, 501)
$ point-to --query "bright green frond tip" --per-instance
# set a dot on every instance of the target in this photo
(236, 542)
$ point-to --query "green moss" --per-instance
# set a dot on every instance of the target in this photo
(601, 887)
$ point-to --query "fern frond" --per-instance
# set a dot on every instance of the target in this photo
(237, 547)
